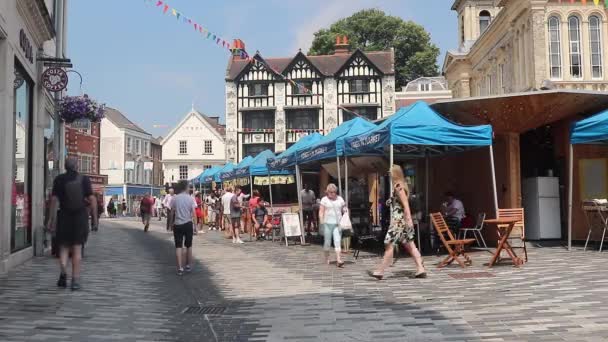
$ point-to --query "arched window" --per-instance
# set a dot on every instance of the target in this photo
(484, 21)
(555, 49)
(461, 29)
(574, 38)
(595, 40)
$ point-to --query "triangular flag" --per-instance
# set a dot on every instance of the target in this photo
(596, 2)
(174, 11)
(195, 27)
(165, 9)
(159, 3)
(208, 35)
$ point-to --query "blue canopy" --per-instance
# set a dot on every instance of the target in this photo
(332, 145)
(259, 165)
(288, 156)
(230, 173)
(418, 124)
(592, 130)
(216, 175)
(207, 173)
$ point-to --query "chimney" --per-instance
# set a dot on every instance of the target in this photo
(238, 50)
(342, 46)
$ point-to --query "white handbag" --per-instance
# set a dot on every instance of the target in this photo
(345, 223)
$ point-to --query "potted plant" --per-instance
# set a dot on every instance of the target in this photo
(72, 108)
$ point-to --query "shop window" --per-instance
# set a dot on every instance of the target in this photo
(21, 229)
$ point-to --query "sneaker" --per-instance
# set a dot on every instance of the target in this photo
(75, 285)
(62, 282)
(240, 241)
(180, 272)
(188, 269)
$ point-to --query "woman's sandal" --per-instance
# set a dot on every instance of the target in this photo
(340, 264)
(420, 275)
(375, 275)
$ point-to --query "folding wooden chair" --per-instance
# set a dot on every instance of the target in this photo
(518, 232)
(454, 247)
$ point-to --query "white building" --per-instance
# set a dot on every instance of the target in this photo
(126, 157)
(266, 111)
(427, 89)
(28, 30)
(195, 144)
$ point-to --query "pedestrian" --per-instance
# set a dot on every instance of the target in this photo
(210, 203)
(253, 205)
(159, 208)
(262, 221)
(235, 215)
(183, 207)
(226, 220)
(111, 208)
(330, 212)
(145, 209)
(199, 213)
(308, 201)
(73, 194)
(124, 207)
(401, 230)
(167, 204)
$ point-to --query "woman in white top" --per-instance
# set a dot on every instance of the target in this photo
(330, 213)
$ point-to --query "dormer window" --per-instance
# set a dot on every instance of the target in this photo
(359, 86)
(484, 21)
(258, 89)
(425, 86)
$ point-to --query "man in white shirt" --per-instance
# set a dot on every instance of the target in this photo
(167, 203)
(183, 207)
(453, 210)
(226, 198)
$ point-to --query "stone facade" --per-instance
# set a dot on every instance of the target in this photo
(512, 54)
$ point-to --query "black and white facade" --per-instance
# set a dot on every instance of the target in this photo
(266, 111)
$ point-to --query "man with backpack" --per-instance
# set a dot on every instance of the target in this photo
(73, 194)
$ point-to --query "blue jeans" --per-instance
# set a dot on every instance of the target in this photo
(330, 230)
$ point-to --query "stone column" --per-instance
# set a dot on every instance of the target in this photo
(565, 45)
(7, 126)
(279, 118)
(388, 95)
(231, 122)
(330, 105)
(540, 45)
(586, 49)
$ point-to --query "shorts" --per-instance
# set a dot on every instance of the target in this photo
(211, 214)
(308, 215)
(182, 235)
(145, 218)
(236, 221)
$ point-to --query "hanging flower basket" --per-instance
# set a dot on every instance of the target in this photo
(72, 108)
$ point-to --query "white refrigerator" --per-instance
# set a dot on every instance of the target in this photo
(541, 208)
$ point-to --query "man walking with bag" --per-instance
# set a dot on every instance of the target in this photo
(73, 194)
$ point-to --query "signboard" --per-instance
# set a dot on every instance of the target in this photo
(129, 165)
(54, 79)
(148, 165)
(290, 224)
(81, 124)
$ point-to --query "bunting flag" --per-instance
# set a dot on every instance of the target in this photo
(205, 33)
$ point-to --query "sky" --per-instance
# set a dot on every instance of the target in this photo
(153, 68)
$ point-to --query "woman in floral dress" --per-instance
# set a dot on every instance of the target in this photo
(401, 230)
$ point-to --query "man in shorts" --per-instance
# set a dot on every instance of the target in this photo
(235, 215)
(73, 194)
(167, 204)
(308, 201)
(226, 221)
(184, 209)
(145, 209)
(261, 220)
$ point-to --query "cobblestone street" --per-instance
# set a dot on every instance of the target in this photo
(264, 291)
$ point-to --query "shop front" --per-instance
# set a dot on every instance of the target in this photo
(25, 128)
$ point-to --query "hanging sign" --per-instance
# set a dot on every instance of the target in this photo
(54, 79)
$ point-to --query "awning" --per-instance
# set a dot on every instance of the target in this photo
(593, 130)
(231, 172)
(521, 112)
(215, 177)
(418, 125)
(288, 157)
(332, 145)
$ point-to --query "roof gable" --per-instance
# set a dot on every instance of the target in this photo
(258, 70)
(358, 65)
(121, 121)
(202, 118)
(301, 68)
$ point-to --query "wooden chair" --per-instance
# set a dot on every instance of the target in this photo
(518, 232)
(455, 248)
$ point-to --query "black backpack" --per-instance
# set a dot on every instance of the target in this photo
(74, 195)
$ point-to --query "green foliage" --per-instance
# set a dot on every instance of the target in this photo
(372, 29)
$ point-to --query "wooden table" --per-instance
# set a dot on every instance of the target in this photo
(502, 243)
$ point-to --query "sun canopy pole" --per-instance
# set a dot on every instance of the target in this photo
(495, 193)
(301, 212)
(339, 176)
(346, 179)
(570, 191)
(390, 178)
(270, 192)
(426, 183)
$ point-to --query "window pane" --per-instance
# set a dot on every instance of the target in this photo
(258, 120)
(303, 119)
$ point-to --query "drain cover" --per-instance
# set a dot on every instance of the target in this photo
(205, 310)
(471, 275)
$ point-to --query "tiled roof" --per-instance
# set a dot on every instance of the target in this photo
(328, 65)
(121, 121)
